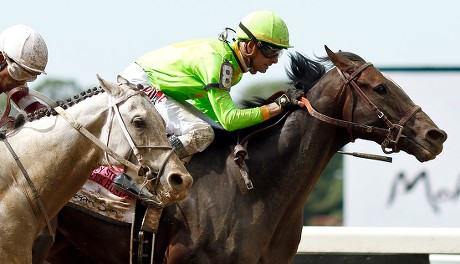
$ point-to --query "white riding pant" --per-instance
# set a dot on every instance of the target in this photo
(194, 133)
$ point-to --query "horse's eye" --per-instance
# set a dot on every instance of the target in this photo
(380, 89)
(139, 122)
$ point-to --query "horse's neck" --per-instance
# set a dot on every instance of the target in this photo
(328, 97)
(88, 113)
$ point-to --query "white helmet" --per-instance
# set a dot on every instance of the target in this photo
(26, 47)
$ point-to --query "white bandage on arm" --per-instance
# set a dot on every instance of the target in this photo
(26, 101)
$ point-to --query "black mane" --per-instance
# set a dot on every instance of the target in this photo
(303, 74)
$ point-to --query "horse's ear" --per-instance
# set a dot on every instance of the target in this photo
(123, 81)
(111, 88)
(339, 61)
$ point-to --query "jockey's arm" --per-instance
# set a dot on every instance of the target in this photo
(232, 118)
(274, 109)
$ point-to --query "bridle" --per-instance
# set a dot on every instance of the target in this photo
(142, 169)
(391, 134)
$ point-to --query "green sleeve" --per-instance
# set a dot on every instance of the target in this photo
(221, 107)
(230, 117)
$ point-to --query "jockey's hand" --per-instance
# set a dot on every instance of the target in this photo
(294, 95)
(290, 99)
(284, 102)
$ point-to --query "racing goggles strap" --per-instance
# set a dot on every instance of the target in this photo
(266, 49)
(250, 35)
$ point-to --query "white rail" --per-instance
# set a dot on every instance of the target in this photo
(384, 240)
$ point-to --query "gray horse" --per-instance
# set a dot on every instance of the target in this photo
(55, 159)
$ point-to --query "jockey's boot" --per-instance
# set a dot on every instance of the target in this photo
(124, 183)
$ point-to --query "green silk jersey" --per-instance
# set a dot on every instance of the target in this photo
(182, 70)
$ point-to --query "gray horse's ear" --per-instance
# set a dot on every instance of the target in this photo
(121, 80)
(102, 82)
(109, 87)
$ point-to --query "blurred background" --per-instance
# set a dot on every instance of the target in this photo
(412, 39)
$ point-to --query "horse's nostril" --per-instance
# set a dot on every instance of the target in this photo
(437, 135)
(176, 179)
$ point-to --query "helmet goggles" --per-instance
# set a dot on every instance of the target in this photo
(269, 51)
(19, 73)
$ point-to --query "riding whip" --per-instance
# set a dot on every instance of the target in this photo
(367, 156)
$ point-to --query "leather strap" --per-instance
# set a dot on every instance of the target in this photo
(343, 123)
(74, 123)
(36, 194)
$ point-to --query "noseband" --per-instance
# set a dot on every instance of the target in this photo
(393, 132)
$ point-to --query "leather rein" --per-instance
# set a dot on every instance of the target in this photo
(391, 134)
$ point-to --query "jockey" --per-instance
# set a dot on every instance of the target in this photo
(189, 83)
(23, 56)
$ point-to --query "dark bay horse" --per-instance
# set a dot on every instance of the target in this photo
(221, 220)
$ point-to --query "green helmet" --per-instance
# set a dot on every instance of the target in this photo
(265, 26)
